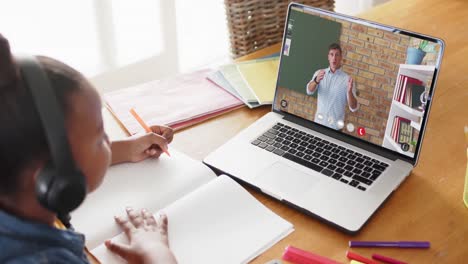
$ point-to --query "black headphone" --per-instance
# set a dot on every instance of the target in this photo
(60, 185)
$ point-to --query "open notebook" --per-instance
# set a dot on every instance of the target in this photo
(211, 219)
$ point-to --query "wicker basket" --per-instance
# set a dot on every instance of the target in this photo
(255, 24)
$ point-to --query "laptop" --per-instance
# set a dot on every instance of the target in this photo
(351, 106)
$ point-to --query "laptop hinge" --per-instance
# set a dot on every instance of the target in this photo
(343, 137)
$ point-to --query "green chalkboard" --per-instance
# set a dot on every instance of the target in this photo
(310, 37)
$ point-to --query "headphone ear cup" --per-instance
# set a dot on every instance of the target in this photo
(43, 184)
(60, 193)
(67, 193)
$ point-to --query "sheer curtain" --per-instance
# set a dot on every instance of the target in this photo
(118, 43)
(60, 29)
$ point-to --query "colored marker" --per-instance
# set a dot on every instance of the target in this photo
(145, 126)
(398, 244)
(355, 262)
(387, 259)
(354, 256)
(299, 256)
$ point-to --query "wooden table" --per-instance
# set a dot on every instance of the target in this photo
(428, 205)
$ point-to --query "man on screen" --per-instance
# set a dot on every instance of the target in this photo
(334, 90)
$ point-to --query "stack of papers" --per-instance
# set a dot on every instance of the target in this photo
(177, 102)
(253, 82)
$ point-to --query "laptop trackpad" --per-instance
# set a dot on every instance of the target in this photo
(282, 179)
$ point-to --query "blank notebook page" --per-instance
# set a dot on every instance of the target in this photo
(219, 222)
(152, 184)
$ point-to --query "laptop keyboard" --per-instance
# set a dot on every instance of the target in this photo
(337, 162)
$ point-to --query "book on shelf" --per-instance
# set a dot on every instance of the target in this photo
(408, 91)
(401, 130)
(405, 132)
(210, 219)
(412, 94)
(394, 127)
(398, 85)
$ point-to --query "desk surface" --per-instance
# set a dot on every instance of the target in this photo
(428, 205)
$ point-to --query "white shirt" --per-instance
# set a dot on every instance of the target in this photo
(332, 97)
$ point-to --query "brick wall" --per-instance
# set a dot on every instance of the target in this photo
(371, 57)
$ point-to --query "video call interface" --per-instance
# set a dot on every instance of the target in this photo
(363, 81)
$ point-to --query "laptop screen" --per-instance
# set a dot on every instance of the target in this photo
(369, 81)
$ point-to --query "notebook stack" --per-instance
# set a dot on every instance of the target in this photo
(253, 82)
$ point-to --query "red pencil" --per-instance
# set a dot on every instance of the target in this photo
(354, 256)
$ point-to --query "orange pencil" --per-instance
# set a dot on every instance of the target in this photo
(145, 126)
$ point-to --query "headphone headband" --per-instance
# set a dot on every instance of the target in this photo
(50, 113)
(60, 185)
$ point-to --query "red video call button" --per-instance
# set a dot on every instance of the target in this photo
(361, 131)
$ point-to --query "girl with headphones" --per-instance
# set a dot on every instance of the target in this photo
(53, 151)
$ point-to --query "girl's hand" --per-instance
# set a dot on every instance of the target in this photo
(166, 132)
(148, 238)
(142, 146)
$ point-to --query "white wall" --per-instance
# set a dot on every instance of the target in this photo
(353, 7)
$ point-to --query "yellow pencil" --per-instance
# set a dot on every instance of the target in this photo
(145, 126)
